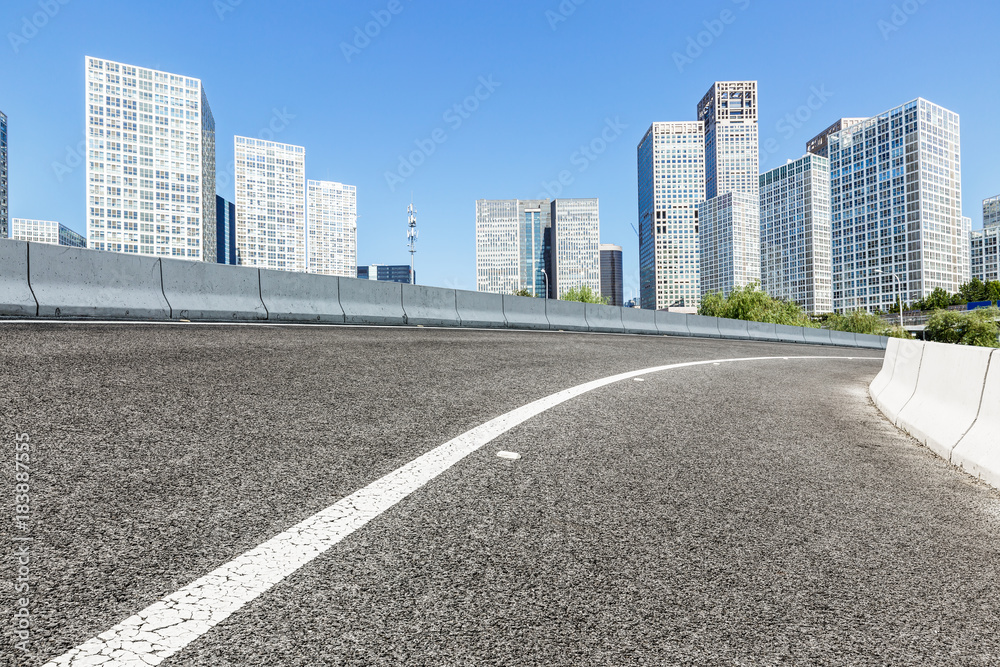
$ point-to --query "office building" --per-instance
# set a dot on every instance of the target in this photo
(985, 244)
(271, 205)
(513, 245)
(819, 145)
(4, 206)
(45, 231)
(393, 273)
(150, 164)
(896, 202)
(611, 274)
(729, 219)
(991, 212)
(225, 231)
(795, 261)
(332, 218)
(576, 230)
(671, 177)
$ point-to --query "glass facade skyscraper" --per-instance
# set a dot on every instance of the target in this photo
(991, 212)
(895, 197)
(150, 164)
(45, 231)
(513, 245)
(729, 242)
(576, 232)
(611, 274)
(225, 231)
(795, 261)
(985, 243)
(820, 144)
(4, 231)
(332, 222)
(671, 177)
(271, 205)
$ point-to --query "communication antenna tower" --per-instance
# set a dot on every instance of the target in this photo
(411, 236)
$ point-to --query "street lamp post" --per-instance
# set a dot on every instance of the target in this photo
(546, 277)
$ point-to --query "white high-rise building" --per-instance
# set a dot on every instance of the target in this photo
(271, 205)
(3, 177)
(820, 144)
(991, 212)
(795, 262)
(896, 207)
(576, 228)
(985, 243)
(150, 162)
(45, 231)
(513, 245)
(332, 222)
(727, 258)
(671, 170)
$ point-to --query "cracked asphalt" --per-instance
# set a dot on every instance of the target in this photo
(754, 513)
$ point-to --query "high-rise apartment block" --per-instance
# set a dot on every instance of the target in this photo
(820, 144)
(795, 260)
(671, 171)
(271, 205)
(611, 274)
(4, 232)
(991, 212)
(150, 162)
(895, 197)
(45, 231)
(576, 230)
(225, 231)
(985, 243)
(333, 228)
(730, 216)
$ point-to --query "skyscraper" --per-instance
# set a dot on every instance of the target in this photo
(795, 233)
(576, 233)
(333, 228)
(151, 163)
(271, 205)
(895, 196)
(611, 274)
(45, 231)
(819, 145)
(991, 212)
(4, 233)
(513, 245)
(225, 231)
(671, 170)
(985, 243)
(730, 216)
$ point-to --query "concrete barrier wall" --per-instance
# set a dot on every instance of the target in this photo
(761, 331)
(816, 336)
(566, 315)
(702, 326)
(607, 319)
(673, 324)
(948, 398)
(371, 302)
(737, 329)
(639, 321)
(844, 338)
(16, 298)
(215, 292)
(480, 309)
(301, 297)
(430, 306)
(789, 334)
(77, 282)
(524, 312)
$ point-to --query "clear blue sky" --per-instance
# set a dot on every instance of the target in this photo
(559, 82)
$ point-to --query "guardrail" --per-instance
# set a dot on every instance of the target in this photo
(50, 281)
(948, 398)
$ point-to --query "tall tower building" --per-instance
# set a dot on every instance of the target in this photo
(151, 162)
(576, 233)
(671, 171)
(795, 260)
(225, 231)
(729, 220)
(895, 195)
(333, 228)
(819, 145)
(985, 243)
(611, 274)
(513, 245)
(271, 205)
(991, 212)
(4, 231)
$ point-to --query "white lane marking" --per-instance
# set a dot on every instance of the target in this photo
(638, 379)
(513, 456)
(167, 626)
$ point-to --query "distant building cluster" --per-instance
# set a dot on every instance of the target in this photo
(45, 231)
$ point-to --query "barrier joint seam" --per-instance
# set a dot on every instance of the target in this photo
(27, 262)
(170, 307)
(982, 394)
(916, 385)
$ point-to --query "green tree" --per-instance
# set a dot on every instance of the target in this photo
(523, 292)
(584, 294)
(859, 321)
(755, 305)
(974, 290)
(974, 327)
(992, 291)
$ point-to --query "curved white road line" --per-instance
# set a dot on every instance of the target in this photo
(167, 626)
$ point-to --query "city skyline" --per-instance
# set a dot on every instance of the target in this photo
(256, 94)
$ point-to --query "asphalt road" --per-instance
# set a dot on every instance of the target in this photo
(750, 513)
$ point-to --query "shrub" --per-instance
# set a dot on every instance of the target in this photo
(755, 305)
(974, 327)
(584, 294)
(862, 322)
